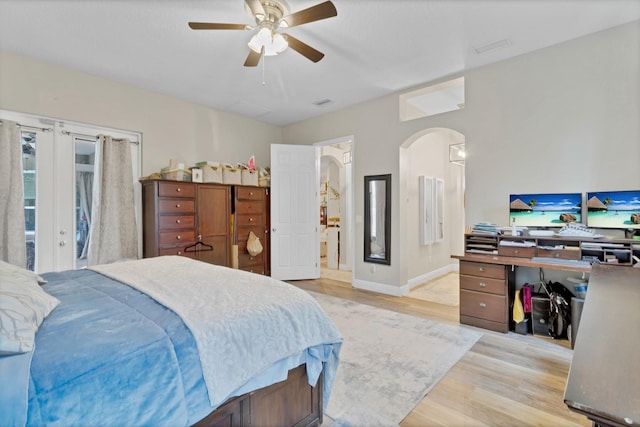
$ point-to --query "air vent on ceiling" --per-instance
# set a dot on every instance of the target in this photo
(322, 102)
(488, 47)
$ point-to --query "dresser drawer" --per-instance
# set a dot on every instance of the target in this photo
(242, 233)
(176, 189)
(257, 269)
(244, 193)
(177, 251)
(175, 222)
(517, 251)
(249, 220)
(172, 238)
(484, 306)
(176, 206)
(483, 284)
(251, 207)
(246, 259)
(494, 271)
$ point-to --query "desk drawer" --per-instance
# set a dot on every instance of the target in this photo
(484, 306)
(494, 271)
(483, 284)
(516, 251)
(559, 253)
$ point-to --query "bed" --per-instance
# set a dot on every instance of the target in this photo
(168, 341)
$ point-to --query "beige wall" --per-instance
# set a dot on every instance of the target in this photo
(170, 128)
(561, 119)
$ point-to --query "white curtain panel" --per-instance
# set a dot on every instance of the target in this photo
(12, 228)
(113, 232)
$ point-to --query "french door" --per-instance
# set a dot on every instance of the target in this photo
(58, 187)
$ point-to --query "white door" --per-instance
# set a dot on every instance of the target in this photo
(295, 242)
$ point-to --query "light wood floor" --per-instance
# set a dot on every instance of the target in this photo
(504, 380)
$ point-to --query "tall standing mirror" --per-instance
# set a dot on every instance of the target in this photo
(377, 219)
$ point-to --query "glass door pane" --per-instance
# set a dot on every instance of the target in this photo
(84, 164)
(29, 175)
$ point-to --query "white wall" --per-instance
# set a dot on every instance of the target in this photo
(171, 128)
(561, 119)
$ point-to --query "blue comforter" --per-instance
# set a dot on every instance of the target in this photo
(110, 355)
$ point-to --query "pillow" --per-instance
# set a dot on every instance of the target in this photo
(5, 267)
(23, 307)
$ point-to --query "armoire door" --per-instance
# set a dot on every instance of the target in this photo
(213, 217)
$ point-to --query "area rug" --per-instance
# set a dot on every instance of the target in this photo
(389, 361)
(443, 290)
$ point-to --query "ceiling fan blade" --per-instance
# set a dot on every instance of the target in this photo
(256, 8)
(215, 26)
(303, 48)
(253, 58)
(311, 14)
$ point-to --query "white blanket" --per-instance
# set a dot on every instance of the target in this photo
(242, 322)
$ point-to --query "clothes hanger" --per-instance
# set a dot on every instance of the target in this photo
(198, 246)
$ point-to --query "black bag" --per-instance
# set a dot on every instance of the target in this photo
(559, 309)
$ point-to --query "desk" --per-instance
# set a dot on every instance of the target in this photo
(604, 379)
(487, 286)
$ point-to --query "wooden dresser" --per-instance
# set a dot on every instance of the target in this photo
(251, 208)
(178, 214)
(484, 295)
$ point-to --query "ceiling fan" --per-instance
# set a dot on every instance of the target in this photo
(271, 15)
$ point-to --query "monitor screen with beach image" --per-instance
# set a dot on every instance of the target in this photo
(545, 210)
(613, 209)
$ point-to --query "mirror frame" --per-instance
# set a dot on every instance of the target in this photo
(386, 180)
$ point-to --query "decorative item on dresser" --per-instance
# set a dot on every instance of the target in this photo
(177, 215)
(251, 208)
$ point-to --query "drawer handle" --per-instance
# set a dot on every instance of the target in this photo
(178, 189)
(177, 221)
(177, 205)
(250, 219)
(483, 285)
(516, 251)
(251, 193)
(250, 258)
(483, 305)
(481, 268)
(179, 252)
(178, 237)
(557, 255)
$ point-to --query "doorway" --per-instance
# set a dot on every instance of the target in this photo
(336, 207)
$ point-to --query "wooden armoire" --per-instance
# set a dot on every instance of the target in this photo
(187, 219)
(203, 221)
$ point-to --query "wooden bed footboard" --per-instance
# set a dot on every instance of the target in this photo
(292, 402)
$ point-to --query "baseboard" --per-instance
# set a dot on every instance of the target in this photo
(381, 288)
(399, 291)
(412, 283)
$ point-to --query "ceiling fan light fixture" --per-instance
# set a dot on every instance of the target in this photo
(260, 39)
(273, 43)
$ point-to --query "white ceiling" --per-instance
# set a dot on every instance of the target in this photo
(372, 47)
